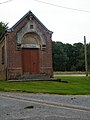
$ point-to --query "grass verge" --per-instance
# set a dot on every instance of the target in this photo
(75, 86)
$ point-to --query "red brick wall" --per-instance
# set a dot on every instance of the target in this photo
(2, 65)
(46, 56)
(15, 58)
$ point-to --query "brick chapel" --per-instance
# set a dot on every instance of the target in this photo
(26, 48)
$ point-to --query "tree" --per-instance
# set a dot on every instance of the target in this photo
(79, 56)
(59, 57)
(68, 48)
(3, 27)
(67, 57)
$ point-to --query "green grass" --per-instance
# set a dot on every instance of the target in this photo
(75, 86)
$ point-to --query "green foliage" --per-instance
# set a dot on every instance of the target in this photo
(67, 57)
(59, 56)
(3, 27)
(76, 85)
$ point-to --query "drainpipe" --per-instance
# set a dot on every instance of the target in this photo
(6, 58)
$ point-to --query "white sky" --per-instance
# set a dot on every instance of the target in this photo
(69, 26)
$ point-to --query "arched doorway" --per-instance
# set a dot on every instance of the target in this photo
(30, 53)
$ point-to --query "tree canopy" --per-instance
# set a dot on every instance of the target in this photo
(67, 57)
(3, 27)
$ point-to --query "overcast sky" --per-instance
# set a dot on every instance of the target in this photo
(68, 26)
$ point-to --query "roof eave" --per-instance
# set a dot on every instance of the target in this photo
(30, 14)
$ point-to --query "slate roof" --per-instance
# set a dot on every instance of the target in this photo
(30, 14)
(27, 14)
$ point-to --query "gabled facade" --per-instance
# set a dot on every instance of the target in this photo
(26, 48)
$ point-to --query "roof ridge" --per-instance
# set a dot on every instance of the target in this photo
(30, 13)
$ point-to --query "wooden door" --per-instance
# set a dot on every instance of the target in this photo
(30, 61)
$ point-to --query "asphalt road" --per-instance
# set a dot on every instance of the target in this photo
(23, 106)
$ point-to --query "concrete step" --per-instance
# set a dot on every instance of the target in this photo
(32, 77)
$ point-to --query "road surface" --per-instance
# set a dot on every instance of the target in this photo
(70, 75)
(25, 106)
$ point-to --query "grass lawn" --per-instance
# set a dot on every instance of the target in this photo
(76, 85)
